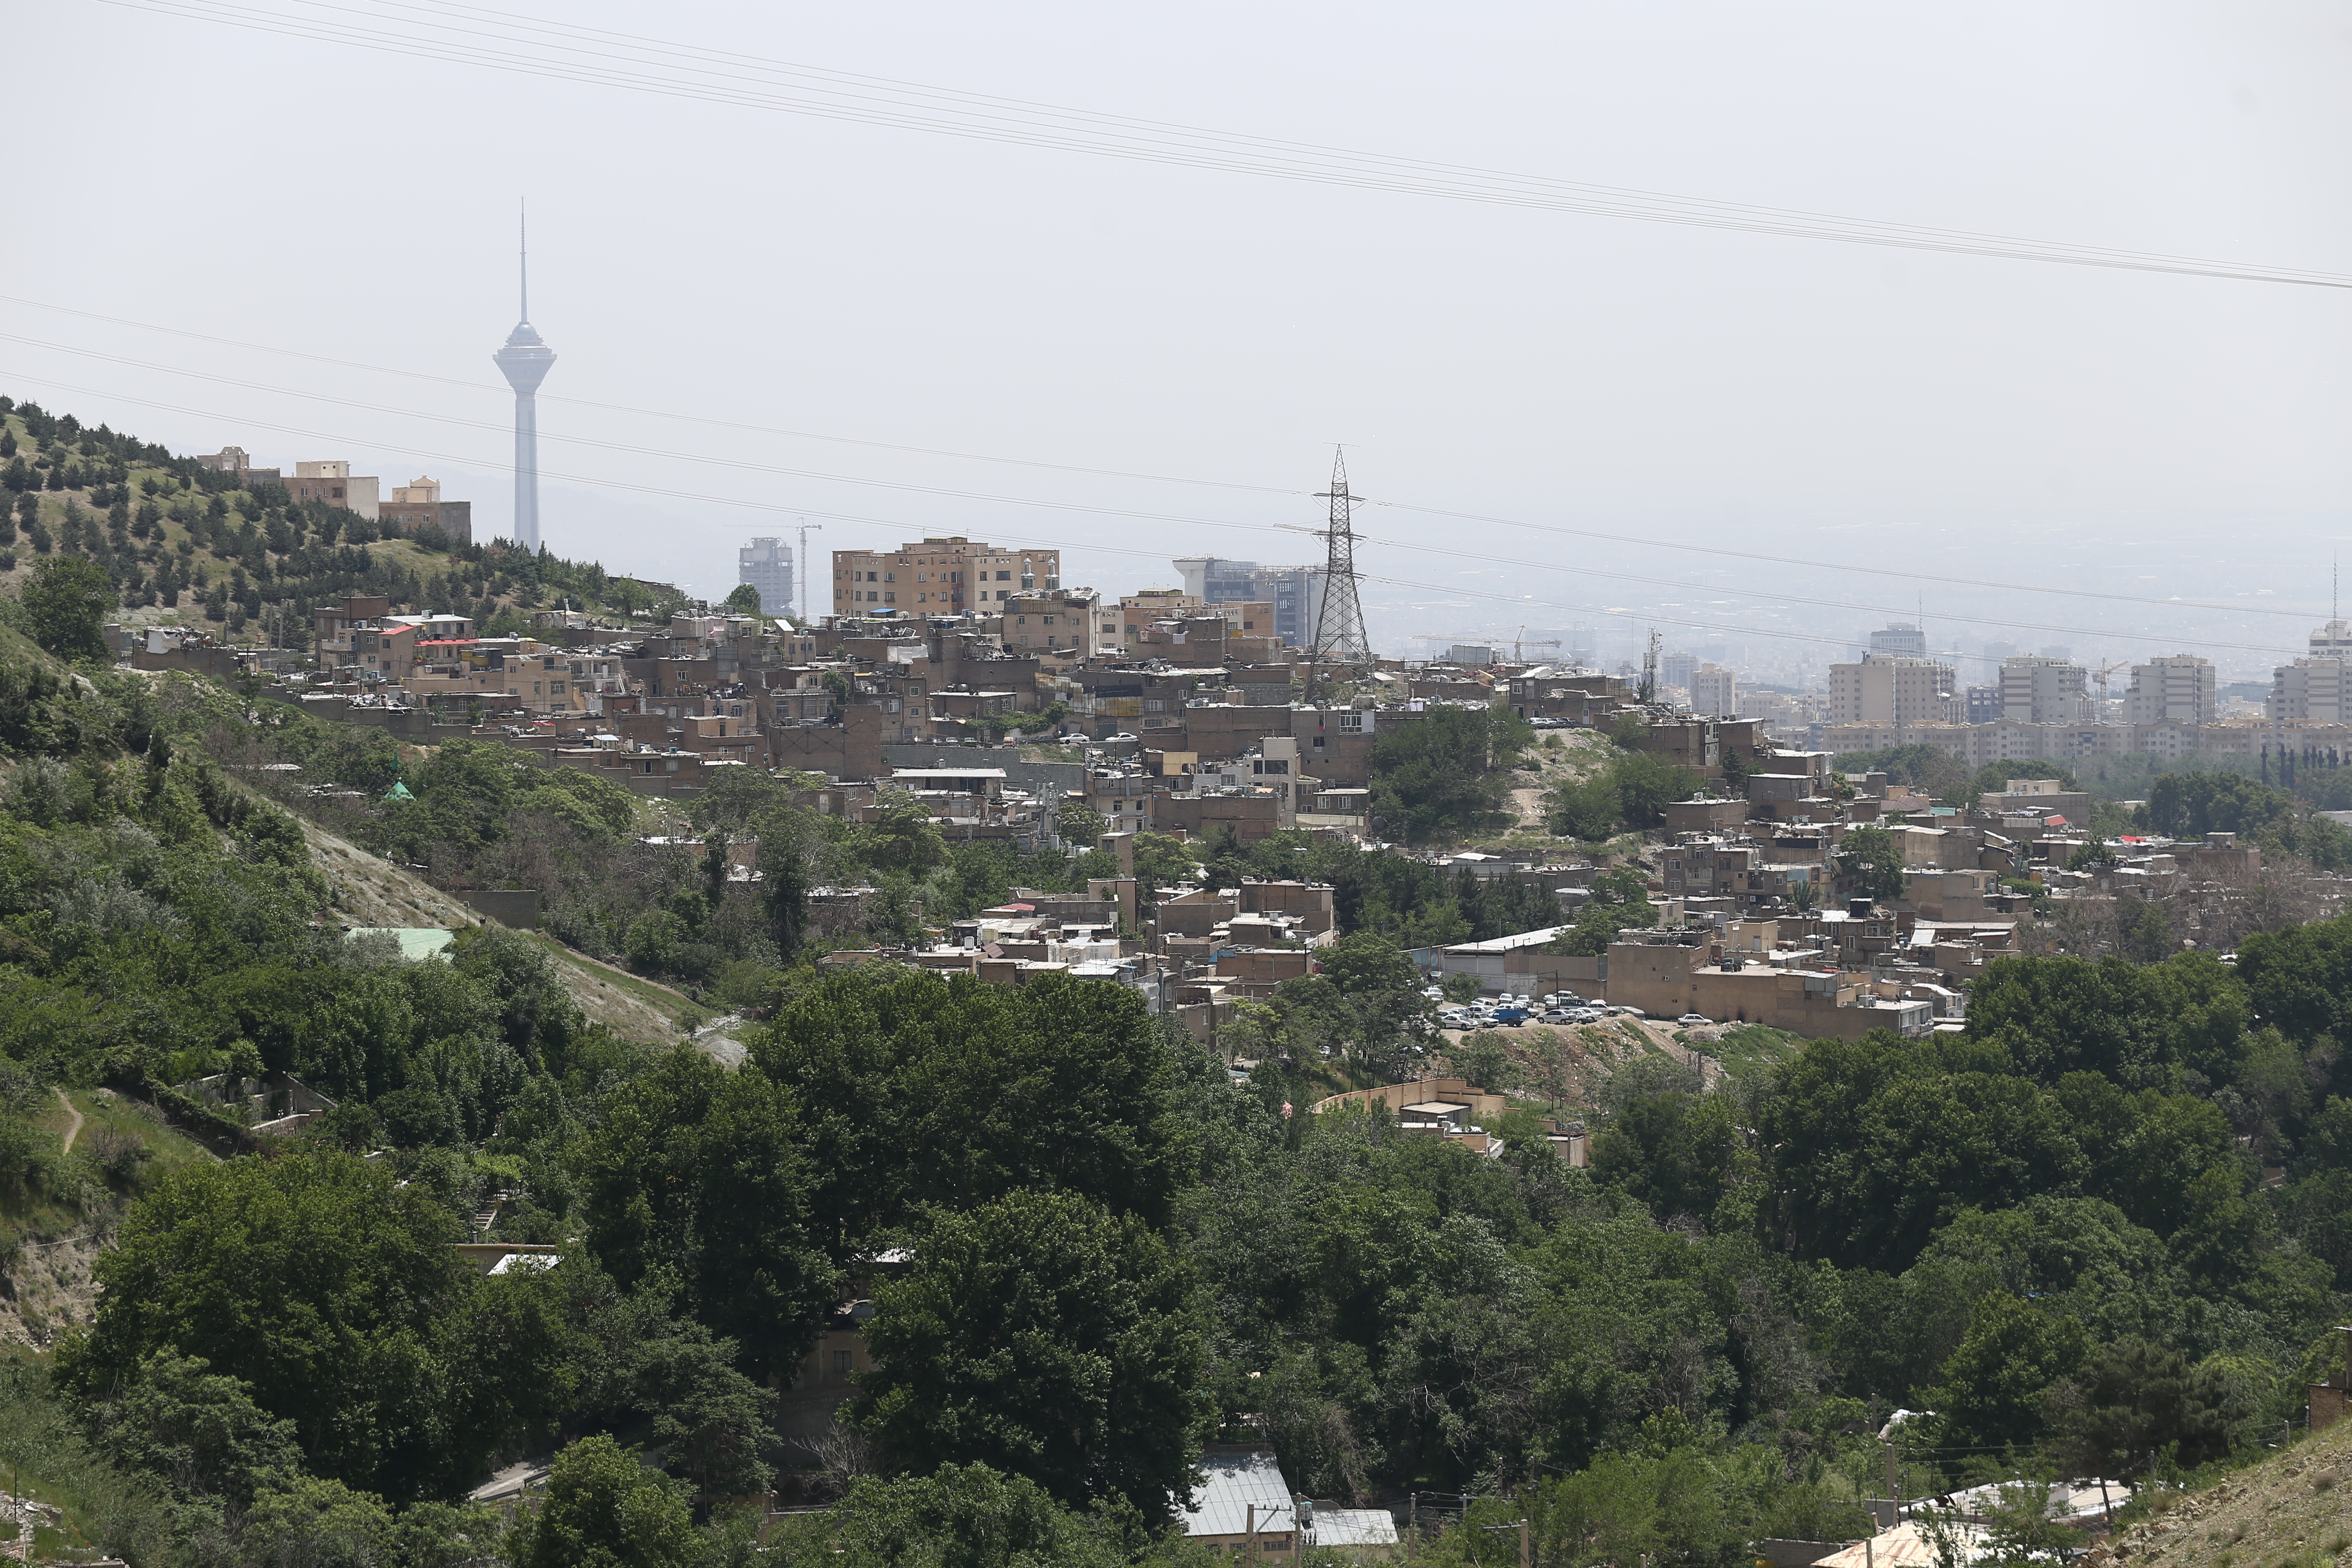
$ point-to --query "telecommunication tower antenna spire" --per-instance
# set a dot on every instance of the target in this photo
(1339, 617)
(524, 360)
(523, 221)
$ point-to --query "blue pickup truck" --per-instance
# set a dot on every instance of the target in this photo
(1513, 1016)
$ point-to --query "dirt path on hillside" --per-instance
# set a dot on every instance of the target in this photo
(73, 1126)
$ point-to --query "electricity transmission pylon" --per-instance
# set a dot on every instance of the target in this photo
(1340, 619)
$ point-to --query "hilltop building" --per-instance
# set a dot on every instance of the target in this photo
(418, 504)
(332, 483)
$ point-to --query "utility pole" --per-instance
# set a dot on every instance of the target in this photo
(804, 526)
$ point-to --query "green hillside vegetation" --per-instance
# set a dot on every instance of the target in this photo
(179, 543)
(2105, 1229)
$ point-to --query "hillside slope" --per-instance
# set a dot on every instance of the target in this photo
(369, 890)
(2292, 1509)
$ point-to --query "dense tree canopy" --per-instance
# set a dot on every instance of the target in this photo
(1046, 1337)
(1447, 774)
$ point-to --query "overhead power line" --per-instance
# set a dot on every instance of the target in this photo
(1562, 530)
(1269, 528)
(517, 43)
(645, 413)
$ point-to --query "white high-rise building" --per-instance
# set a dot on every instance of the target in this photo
(2178, 689)
(767, 565)
(2039, 689)
(1714, 692)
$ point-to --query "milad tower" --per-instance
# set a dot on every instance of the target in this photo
(525, 362)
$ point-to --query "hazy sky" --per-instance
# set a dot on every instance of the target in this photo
(1994, 420)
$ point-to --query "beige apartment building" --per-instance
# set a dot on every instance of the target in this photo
(2039, 689)
(1063, 622)
(1125, 625)
(941, 575)
(332, 483)
(418, 504)
(2178, 689)
(1892, 690)
(2311, 692)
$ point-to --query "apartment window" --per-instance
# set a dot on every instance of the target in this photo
(1151, 706)
(889, 598)
(841, 1360)
(1004, 576)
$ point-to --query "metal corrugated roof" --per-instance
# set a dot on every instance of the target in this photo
(1234, 1481)
(1354, 1527)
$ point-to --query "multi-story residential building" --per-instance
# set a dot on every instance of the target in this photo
(1892, 690)
(1676, 670)
(1066, 621)
(1714, 692)
(767, 565)
(1295, 593)
(940, 576)
(2311, 692)
(2333, 640)
(1982, 704)
(331, 482)
(418, 504)
(2039, 690)
(2178, 688)
(1138, 613)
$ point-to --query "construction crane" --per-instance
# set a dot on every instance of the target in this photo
(2101, 677)
(1521, 643)
(802, 565)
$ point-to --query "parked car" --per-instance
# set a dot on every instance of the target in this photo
(1584, 1015)
(1693, 1019)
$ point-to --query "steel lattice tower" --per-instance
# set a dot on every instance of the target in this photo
(525, 361)
(1340, 619)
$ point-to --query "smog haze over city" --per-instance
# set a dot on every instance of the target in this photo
(1590, 405)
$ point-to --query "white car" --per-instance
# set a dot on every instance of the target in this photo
(1694, 1019)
